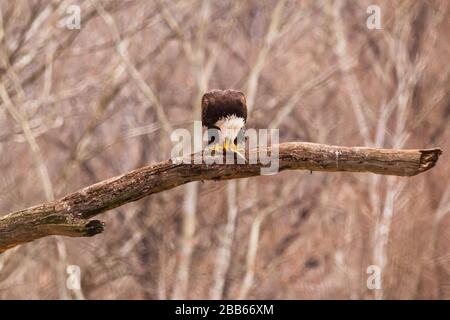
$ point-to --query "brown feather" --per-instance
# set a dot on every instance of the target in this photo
(218, 104)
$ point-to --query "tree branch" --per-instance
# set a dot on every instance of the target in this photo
(69, 216)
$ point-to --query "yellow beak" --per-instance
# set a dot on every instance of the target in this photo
(229, 145)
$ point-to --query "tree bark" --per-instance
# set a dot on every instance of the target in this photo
(69, 216)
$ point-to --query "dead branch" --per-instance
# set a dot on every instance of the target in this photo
(69, 216)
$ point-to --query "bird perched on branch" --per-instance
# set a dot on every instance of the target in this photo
(224, 113)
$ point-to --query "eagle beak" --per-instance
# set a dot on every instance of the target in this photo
(229, 145)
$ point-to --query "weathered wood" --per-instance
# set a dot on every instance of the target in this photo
(69, 216)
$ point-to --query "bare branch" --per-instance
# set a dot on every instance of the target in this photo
(69, 215)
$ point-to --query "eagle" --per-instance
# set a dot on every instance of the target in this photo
(224, 114)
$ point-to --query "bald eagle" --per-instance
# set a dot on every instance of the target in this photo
(224, 111)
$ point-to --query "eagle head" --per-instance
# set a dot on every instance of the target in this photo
(226, 111)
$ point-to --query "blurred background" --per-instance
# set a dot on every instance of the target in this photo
(81, 105)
